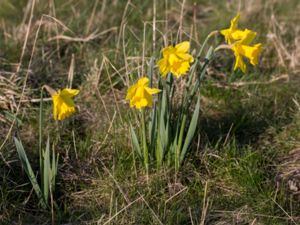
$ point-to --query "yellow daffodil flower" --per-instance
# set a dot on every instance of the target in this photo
(250, 52)
(140, 95)
(240, 43)
(242, 48)
(232, 34)
(63, 105)
(176, 60)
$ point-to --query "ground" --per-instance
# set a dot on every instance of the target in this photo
(243, 166)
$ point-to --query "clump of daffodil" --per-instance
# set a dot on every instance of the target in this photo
(240, 43)
(140, 95)
(63, 105)
(176, 60)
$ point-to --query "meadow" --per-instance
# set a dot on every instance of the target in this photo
(242, 159)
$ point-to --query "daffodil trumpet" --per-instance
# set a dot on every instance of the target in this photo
(63, 104)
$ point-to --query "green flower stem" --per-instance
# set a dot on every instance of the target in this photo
(188, 97)
(40, 128)
(200, 78)
(211, 34)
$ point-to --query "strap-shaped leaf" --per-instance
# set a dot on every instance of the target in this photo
(191, 131)
(46, 171)
(152, 128)
(27, 167)
(162, 124)
(54, 169)
(135, 141)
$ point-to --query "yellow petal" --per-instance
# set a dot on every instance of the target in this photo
(183, 47)
(143, 81)
(185, 56)
(180, 68)
(163, 66)
(140, 92)
(141, 103)
(247, 37)
(69, 92)
(167, 51)
(63, 105)
(173, 59)
(131, 91)
(152, 91)
(252, 52)
(227, 33)
(140, 95)
(56, 105)
(239, 63)
(234, 21)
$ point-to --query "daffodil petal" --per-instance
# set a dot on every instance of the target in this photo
(63, 105)
(69, 92)
(152, 91)
(252, 52)
(183, 47)
(234, 21)
(239, 63)
(143, 81)
(131, 91)
(247, 37)
(163, 66)
(140, 95)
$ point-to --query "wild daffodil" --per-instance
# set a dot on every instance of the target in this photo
(63, 105)
(140, 95)
(240, 43)
(176, 60)
(233, 34)
(242, 48)
(250, 52)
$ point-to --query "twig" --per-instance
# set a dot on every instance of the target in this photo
(123, 209)
(116, 182)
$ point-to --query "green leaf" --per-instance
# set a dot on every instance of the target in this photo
(191, 131)
(152, 128)
(135, 141)
(27, 167)
(46, 171)
(11, 117)
(54, 169)
(162, 128)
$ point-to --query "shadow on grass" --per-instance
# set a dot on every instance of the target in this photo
(246, 113)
